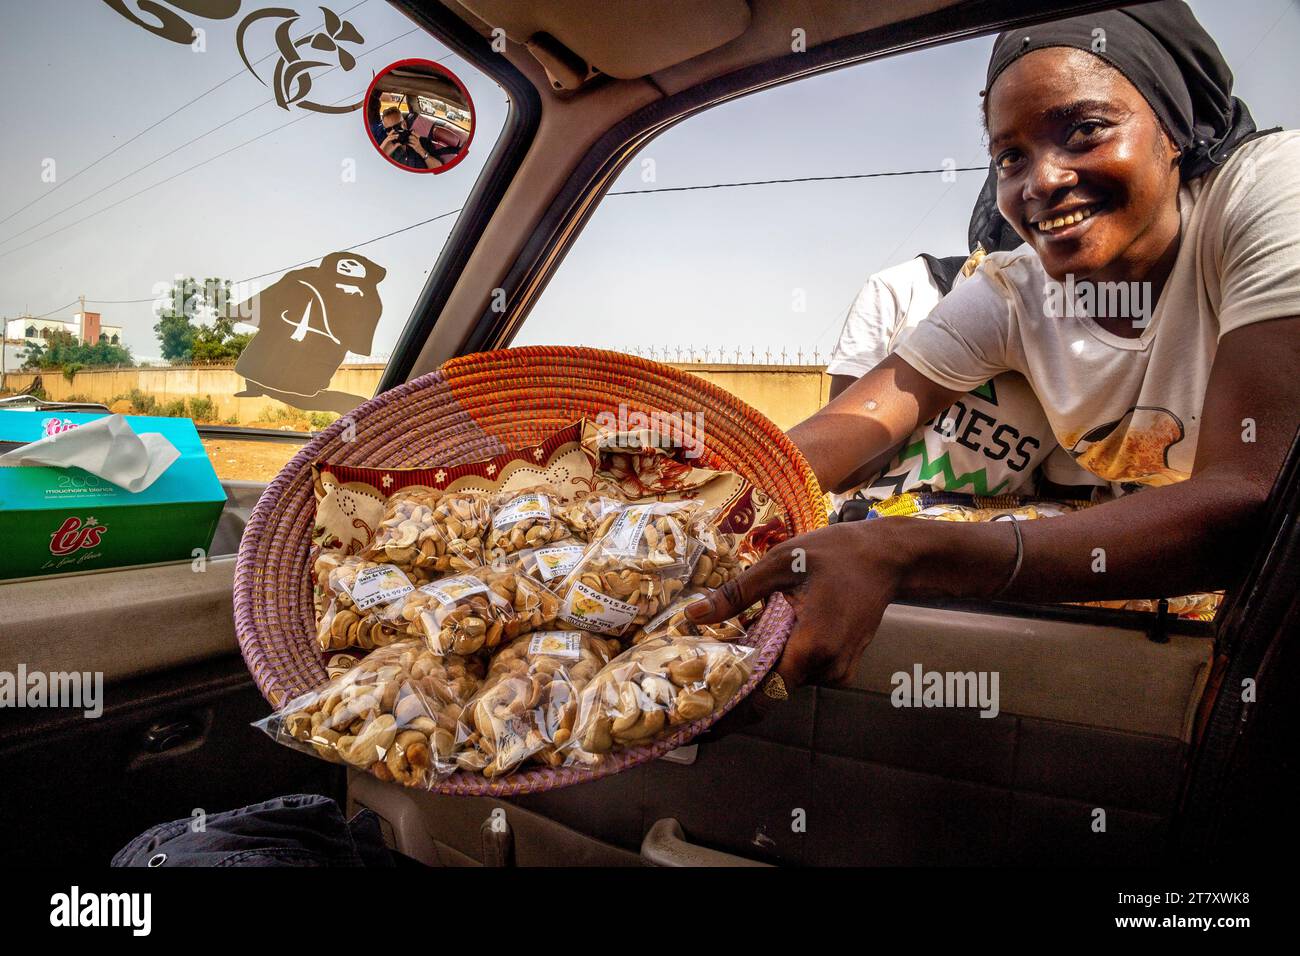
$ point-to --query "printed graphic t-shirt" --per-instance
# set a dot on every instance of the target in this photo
(987, 442)
(1129, 410)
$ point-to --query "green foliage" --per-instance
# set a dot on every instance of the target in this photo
(199, 409)
(142, 403)
(63, 351)
(175, 336)
(275, 414)
(321, 420)
(203, 408)
(183, 338)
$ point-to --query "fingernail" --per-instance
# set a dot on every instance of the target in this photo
(698, 609)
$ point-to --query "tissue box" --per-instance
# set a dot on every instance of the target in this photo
(57, 520)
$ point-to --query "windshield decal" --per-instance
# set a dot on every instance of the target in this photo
(291, 77)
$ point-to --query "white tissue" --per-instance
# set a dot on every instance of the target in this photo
(106, 447)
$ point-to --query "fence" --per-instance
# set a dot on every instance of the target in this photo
(785, 393)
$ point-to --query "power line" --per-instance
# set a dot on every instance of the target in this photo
(152, 126)
(423, 222)
(355, 245)
(45, 315)
(893, 252)
(799, 179)
(177, 149)
(77, 222)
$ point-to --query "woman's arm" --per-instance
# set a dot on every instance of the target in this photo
(1198, 534)
(867, 421)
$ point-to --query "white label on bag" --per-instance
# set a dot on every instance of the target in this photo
(559, 560)
(697, 549)
(625, 533)
(450, 590)
(534, 504)
(590, 610)
(379, 585)
(557, 644)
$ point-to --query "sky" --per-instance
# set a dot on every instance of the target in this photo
(762, 268)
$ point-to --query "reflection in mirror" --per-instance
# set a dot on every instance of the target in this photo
(419, 116)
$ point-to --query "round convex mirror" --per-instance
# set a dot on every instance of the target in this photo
(419, 116)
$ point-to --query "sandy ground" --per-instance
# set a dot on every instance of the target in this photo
(249, 460)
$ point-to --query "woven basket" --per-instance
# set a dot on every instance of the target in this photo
(477, 407)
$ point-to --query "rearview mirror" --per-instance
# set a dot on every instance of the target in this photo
(419, 116)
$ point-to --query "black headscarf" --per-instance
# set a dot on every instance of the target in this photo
(1163, 51)
(987, 227)
(987, 230)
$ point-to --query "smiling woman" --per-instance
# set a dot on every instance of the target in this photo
(1125, 164)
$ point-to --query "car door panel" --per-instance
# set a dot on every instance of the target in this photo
(175, 730)
(843, 776)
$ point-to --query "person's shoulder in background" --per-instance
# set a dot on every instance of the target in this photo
(879, 310)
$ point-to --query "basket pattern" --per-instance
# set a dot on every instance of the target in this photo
(475, 407)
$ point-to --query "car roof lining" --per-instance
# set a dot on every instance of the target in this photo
(679, 43)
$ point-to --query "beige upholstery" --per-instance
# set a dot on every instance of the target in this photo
(124, 623)
(1104, 677)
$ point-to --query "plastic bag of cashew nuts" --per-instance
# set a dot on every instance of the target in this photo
(362, 596)
(713, 559)
(427, 533)
(546, 566)
(528, 704)
(527, 518)
(635, 568)
(673, 622)
(394, 714)
(655, 687)
(479, 609)
(584, 515)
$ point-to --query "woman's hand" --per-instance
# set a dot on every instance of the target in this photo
(840, 579)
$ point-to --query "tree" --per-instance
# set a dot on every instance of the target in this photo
(176, 336)
(62, 350)
(218, 342)
(183, 339)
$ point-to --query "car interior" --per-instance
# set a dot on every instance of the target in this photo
(414, 87)
(1136, 715)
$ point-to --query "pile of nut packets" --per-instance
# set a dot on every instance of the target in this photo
(522, 612)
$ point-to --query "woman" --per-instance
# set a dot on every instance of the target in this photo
(1131, 173)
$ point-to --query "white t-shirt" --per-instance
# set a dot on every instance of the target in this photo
(890, 300)
(1129, 410)
(987, 442)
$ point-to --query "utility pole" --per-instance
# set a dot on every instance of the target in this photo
(81, 330)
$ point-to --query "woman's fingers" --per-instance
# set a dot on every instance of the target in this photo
(770, 573)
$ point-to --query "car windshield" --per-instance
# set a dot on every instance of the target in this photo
(180, 183)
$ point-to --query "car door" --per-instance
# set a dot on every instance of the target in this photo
(188, 167)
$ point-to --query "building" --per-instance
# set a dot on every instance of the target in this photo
(35, 331)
